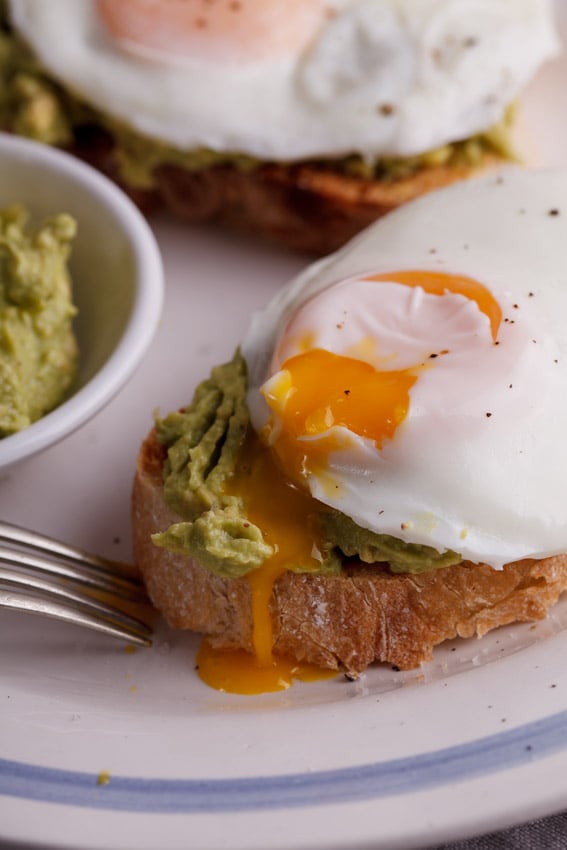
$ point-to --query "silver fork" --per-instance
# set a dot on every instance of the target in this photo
(40, 575)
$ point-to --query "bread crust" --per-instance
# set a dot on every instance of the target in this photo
(342, 622)
(305, 207)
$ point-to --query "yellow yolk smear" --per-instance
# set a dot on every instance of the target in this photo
(222, 31)
(285, 515)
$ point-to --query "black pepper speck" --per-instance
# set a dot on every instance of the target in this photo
(386, 109)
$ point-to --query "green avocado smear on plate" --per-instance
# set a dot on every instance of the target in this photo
(34, 105)
(203, 444)
(38, 349)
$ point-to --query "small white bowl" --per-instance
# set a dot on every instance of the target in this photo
(117, 276)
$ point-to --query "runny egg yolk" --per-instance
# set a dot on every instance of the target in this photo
(325, 390)
(317, 389)
(314, 391)
(222, 31)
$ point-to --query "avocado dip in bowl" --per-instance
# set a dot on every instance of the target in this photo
(81, 292)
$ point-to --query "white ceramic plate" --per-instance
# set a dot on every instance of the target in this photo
(475, 741)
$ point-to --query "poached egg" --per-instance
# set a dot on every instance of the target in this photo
(288, 79)
(416, 380)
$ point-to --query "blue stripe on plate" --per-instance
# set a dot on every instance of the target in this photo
(381, 779)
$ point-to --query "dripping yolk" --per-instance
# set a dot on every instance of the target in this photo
(286, 515)
(223, 31)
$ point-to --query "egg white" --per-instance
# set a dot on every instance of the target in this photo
(380, 78)
(479, 464)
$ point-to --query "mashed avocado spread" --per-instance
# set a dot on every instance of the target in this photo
(32, 104)
(38, 351)
(204, 442)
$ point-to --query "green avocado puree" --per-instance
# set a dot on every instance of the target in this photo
(371, 548)
(203, 443)
(32, 104)
(38, 350)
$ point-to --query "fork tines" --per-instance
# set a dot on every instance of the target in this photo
(45, 576)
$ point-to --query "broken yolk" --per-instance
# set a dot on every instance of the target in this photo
(317, 389)
(313, 392)
(367, 401)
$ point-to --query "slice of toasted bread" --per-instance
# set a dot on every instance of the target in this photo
(344, 621)
(305, 207)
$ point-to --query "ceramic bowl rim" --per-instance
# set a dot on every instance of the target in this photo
(140, 326)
